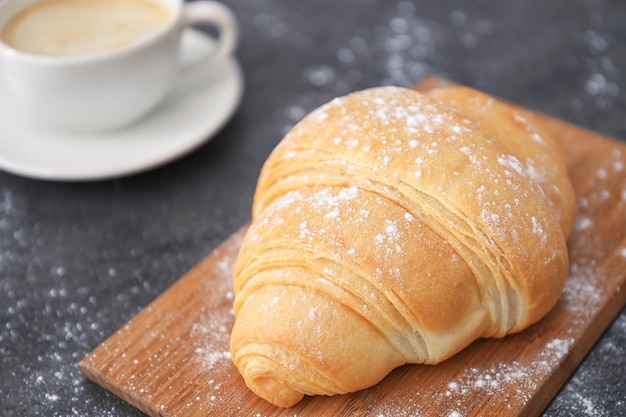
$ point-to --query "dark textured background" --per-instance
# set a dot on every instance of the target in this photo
(78, 260)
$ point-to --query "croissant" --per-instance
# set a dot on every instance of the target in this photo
(392, 227)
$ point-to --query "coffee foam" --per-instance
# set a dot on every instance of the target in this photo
(79, 27)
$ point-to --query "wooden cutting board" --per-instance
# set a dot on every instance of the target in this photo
(173, 358)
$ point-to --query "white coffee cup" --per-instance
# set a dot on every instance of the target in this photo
(109, 89)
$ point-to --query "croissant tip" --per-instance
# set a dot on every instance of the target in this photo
(274, 391)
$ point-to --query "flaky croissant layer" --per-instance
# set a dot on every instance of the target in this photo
(394, 227)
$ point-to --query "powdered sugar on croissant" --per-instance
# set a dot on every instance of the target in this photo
(394, 227)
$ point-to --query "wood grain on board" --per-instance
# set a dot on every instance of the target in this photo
(173, 359)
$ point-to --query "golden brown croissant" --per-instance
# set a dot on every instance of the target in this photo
(393, 227)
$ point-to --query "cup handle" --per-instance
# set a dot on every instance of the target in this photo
(218, 15)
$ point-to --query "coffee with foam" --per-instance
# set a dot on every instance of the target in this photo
(81, 27)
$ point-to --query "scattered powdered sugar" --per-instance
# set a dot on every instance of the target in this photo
(489, 217)
(538, 229)
(587, 406)
(491, 380)
(320, 76)
(557, 348)
(209, 359)
(211, 333)
(325, 199)
(507, 378)
(510, 161)
(601, 81)
(582, 223)
(389, 237)
(467, 151)
(582, 294)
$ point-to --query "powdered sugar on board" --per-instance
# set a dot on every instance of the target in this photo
(516, 379)
(212, 333)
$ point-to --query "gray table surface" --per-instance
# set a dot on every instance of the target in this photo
(79, 259)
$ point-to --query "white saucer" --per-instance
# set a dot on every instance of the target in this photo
(188, 118)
